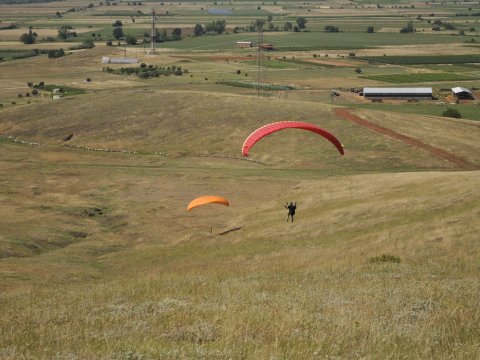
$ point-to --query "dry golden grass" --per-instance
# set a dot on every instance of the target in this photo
(100, 260)
(151, 281)
(193, 122)
(459, 137)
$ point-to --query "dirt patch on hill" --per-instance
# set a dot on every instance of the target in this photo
(442, 154)
(232, 58)
(337, 63)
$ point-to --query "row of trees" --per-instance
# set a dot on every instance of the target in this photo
(215, 27)
(145, 71)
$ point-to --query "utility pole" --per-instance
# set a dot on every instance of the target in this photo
(261, 75)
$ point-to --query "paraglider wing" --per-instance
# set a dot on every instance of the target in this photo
(277, 126)
(208, 199)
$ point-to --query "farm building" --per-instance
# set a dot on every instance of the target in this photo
(243, 44)
(266, 46)
(398, 93)
(109, 60)
(462, 93)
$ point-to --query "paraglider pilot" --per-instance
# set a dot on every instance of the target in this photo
(291, 209)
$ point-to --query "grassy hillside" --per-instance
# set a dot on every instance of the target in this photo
(149, 280)
(190, 123)
(99, 258)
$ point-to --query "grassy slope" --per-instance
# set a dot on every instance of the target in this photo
(99, 259)
(151, 280)
(209, 123)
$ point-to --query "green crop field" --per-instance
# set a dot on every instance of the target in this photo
(99, 257)
(419, 60)
(467, 112)
(419, 77)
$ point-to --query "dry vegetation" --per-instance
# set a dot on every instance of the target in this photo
(150, 280)
(100, 259)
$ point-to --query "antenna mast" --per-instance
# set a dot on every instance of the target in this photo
(153, 35)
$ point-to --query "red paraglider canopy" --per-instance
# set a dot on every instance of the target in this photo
(277, 126)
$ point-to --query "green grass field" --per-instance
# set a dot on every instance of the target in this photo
(420, 77)
(467, 111)
(419, 60)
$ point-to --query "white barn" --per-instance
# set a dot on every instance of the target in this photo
(462, 93)
(243, 44)
(417, 93)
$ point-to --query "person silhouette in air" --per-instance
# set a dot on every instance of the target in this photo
(291, 210)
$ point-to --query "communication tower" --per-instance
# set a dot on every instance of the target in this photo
(153, 35)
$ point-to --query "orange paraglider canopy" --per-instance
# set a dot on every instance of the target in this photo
(208, 199)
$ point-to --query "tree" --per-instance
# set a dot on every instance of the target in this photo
(53, 54)
(408, 28)
(370, 30)
(287, 26)
(301, 22)
(454, 113)
(64, 32)
(88, 44)
(28, 38)
(330, 28)
(161, 36)
(198, 30)
(259, 23)
(177, 33)
(117, 23)
(118, 33)
(130, 39)
(217, 26)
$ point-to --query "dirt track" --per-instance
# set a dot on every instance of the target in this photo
(442, 154)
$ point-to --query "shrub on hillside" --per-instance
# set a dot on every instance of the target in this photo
(453, 113)
(385, 258)
(53, 54)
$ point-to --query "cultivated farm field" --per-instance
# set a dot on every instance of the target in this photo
(99, 258)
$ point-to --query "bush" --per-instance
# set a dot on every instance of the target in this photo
(238, 72)
(28, 38)
(109, 43)
(53, 54)
(34, 92)
(385, 258)
(453, 113)
(331, 29)
(130, 39)
(198, 30)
